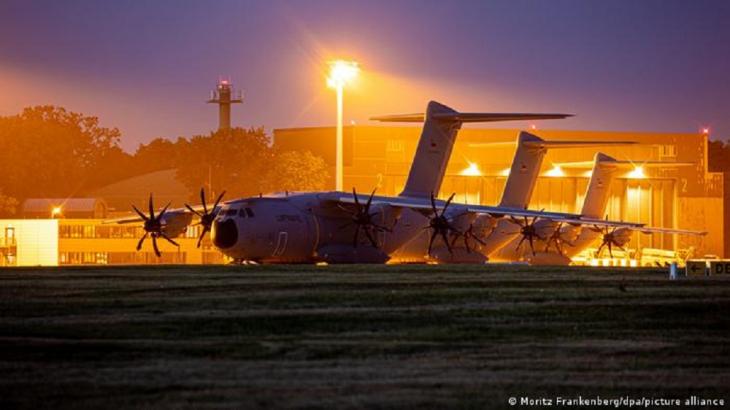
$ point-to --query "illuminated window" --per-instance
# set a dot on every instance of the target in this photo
(668, 151)
(394, 146)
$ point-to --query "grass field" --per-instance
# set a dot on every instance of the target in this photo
(356, 336)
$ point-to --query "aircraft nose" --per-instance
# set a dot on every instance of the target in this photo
(225, 233)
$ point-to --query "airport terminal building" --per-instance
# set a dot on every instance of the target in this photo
(684, 197)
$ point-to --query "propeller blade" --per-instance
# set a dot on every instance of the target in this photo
(433, 205)
(152, 208)
(154, 245)
(475, 236)
(193, 210)
(446, 241)
(370, 237)
(217, 201)
(448, 202)
(430, 243)
(370, 200)
(202, 200)
(610, 251)
(515, 220)
(357, 201)
(159, 216)
(141, 240)
(532, 245)
(202, 234)
(169, 240)
(143, 216)
(519, 244)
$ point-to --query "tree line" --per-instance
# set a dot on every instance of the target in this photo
(49, 152)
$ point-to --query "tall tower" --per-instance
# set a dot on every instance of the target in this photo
(223, 95)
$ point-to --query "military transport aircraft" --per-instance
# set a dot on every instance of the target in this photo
(556, 245)
(338, 227)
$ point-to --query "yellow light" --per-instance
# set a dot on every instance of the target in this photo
(55, 211)
(471, 171)
(341, 73)
(588, 173)
(555, 172)
(637, 173)
(504, 172)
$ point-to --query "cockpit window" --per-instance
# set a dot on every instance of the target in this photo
(242, 213)
(231, 212)
(249, 212)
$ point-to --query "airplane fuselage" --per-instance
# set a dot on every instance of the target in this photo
(306, 228)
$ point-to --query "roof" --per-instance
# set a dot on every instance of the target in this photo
(67, 204)
(163, 184)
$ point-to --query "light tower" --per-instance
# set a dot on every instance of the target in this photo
(224, 96)
(341, 73)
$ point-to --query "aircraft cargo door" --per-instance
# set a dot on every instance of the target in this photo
(293, 242)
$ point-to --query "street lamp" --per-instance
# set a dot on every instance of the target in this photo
(341, 73)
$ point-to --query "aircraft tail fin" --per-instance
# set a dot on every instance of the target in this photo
(599, 186)
(440, 126)
(604, 171)
(526, 165)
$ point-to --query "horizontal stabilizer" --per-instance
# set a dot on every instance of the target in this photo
(627, 164)
(470, 117)
(554, 144)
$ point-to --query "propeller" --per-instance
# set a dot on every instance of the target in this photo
(153, 226)
(440, 225)
(362, 218)
(609, 239)
(527, 230)
(467, 235)
(557, 238)
(206, 217)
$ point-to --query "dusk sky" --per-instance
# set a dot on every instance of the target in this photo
(147, 66)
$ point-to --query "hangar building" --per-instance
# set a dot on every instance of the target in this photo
(687, 197)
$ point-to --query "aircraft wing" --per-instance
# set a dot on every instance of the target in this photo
(169, 213)
(650, 230)
(424, 206)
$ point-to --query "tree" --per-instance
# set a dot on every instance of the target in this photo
(8, 205)
(234, 160)
(157, 155)
(296, 171)
(48, 151)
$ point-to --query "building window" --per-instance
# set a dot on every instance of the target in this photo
(394, 146)
(668, 151)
